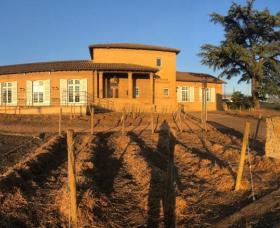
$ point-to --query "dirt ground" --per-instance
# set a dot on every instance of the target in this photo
(165, 179)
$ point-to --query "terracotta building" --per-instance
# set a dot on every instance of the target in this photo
(117, 75)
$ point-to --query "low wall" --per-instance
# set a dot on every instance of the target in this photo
(272, 145)
(29, 110)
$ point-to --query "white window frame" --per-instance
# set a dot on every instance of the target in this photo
(137, 92)
(76, 93)
(38, 92)
(7, 87)
(164, 90)
(185, 94)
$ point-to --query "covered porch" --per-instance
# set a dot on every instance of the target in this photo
(121, 88)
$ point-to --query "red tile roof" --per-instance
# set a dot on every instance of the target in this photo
(75, 65)
(196, 77)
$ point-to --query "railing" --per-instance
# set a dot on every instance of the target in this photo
(63, 100)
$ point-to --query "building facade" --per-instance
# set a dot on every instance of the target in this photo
(116, 76)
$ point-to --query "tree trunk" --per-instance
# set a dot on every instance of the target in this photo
(255, 97)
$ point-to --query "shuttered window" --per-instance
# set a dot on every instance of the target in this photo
(8, 93)
(73, 91)
(38, 92)
(210, 94)
(185, 94)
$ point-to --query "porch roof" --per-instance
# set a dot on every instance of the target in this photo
(73, 65)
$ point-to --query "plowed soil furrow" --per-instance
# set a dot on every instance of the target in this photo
(116, 185)
(15, 148)
(170, 178)
(33, 186)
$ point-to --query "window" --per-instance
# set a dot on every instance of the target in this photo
(159, 63)
(166, 92)
(74, 91)
(137, 92)
(208, 94)
(38, 92)
(185, 94)
(7, 92)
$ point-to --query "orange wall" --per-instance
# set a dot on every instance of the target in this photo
(54, 82)
(197, 105)
(166, 74)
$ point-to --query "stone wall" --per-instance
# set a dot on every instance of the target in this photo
(272, 146)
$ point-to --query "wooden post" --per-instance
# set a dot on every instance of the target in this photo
(242, 155)
(202, 106)
(122, 120)
(72, 178)
(59, 121)
(152, 119)
(71, 114)
(91, 120)
(179, 119)
(257, 128)
(133, 111)
(169, 197)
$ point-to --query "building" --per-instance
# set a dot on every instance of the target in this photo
(117, 75)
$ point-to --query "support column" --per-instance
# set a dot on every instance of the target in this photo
(101, 85)
(130, 86)
(95, 86)
(105, 93)
(114, 92)
(152, 87)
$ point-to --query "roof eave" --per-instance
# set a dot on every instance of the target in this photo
(91, 47)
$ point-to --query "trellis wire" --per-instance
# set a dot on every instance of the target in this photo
(251, 175)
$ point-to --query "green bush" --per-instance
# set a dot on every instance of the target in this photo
(239, 100)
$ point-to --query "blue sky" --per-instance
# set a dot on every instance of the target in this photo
(45, 30)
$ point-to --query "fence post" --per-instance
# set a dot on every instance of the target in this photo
(59, 121)
(242, 155)
(123, 125)
(152, 119)
(257, 128)
(133, 111)
(72, 178)
(179, 119)
(91, 120)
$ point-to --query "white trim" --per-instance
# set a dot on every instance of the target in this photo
(47, 92)
(29, 89)
(213, 95)
(63, 91)
(14, 94)
(191, 94)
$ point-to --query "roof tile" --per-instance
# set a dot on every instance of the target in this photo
(75, 65)
(196, 77)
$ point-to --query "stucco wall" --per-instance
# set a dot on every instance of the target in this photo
(197, 104)
(54, 78)
(167, 73)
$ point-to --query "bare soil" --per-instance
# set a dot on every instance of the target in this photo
(165, 179)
